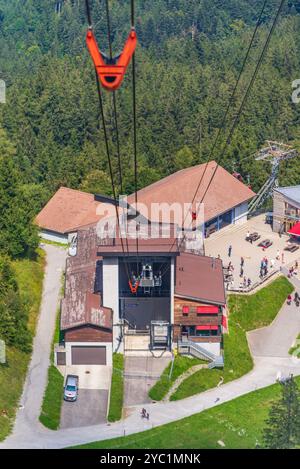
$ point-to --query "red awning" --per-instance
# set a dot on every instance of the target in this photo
(295, 231)
(207, 328)
(224, 322)
(207, 309)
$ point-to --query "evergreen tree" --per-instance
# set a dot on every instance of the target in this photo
(283, 424)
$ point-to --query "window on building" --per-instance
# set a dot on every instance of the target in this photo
(185, 310)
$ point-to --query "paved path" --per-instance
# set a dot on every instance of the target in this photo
(35, 383)
(276, 340)
(28, 433)
(235, 235)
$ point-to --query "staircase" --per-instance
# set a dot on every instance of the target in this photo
(193, 348)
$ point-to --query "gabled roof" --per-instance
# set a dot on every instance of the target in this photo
(292, 192)
(68, 210)
(200, 278)
(224, 193)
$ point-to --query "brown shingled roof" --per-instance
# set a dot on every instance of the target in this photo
(80, 304)
(200, 278)
(225, 191)
(68, 210)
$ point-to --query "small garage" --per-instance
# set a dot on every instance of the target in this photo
(88, 355)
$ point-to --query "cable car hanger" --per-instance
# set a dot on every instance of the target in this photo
(111, 71)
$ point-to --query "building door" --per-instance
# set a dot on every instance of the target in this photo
(88, 355)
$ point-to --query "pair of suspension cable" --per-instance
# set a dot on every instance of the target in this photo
(241, 108)
(110, 165)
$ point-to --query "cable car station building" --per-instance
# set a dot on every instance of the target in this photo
(180, 300)
(164, 291)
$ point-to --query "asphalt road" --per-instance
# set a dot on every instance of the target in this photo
(36, 380)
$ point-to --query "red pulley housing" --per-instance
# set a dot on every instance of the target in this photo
(111, 71)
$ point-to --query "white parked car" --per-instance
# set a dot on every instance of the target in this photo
(73, 246)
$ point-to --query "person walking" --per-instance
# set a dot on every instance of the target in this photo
(278, 255)
(242, 272)
(242, 262)
(282, 258)
(229, 251)
(272, 263)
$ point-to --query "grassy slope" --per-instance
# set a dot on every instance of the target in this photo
(296, 348)
(238, 423)
(30, 279)
(52, 402)
(246, 313)
(117, 389)
(181, 365)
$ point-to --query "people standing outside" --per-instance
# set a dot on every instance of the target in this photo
(229, 251)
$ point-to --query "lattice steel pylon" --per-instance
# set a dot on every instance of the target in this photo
(275, 153)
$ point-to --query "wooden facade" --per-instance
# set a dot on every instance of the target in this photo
(88, 334)
(182, 321)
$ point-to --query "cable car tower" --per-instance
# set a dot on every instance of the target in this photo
(274, 153)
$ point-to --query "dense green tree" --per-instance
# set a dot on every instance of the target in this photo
(283, 425)
(13, 313)
(188, 59)
(97, 182)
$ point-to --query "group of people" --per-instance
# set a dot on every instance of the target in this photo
(144, 414)
(296, 299)
(264, 267)
(293, 270)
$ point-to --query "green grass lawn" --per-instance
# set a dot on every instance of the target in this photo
(53, 397)
(238, 423)
(117, 389)
(30, 274)
(247, 312)
(52, 402)
(162, 386)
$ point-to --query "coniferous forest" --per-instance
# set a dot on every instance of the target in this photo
(189, 56)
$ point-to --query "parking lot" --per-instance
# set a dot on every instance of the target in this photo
(218, 245)
(91, 405)
(141, 373)
(89, 409)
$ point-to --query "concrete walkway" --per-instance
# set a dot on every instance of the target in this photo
(36, 380)
(28, 433)
(276, 340)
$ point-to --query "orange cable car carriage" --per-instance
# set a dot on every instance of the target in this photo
(111, 71)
